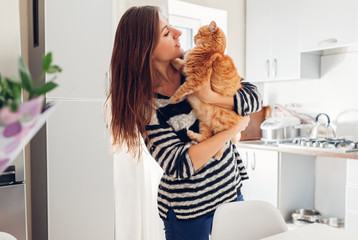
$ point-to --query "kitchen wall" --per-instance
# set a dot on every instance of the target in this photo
(334, 92)
(236, 28)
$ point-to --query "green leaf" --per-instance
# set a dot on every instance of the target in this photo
(46, 61)
(45, 88)
(54, 69)
(26, 79)
(14, 105)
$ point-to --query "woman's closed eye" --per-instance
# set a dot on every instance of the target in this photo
(168, 31)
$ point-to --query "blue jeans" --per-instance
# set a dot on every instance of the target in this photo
(196, 229)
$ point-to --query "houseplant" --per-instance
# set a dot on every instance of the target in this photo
(17, 118)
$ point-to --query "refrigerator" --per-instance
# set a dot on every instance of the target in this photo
(12, 180)
(71, 163)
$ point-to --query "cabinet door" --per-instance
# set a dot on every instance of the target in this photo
(262, 168)
(258, 39)
(264, 174)
(245, 189)
(328, 24)
(79, 34)
(285, 57)
(80, 173)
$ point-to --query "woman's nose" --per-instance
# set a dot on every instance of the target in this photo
(177, 33)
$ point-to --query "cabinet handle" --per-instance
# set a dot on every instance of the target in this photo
(274, 67)
(327, 41)
(253, 163)
(267, 68)
(246, 160)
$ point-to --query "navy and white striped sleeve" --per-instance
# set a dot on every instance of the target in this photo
(168, 149)
(247, 100)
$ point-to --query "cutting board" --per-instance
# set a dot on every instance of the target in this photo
(253, 130)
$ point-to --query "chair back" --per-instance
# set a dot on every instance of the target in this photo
(249, 220)
(6, 236)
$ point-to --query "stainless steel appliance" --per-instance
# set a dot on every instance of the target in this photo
(280, 129)
(12, 200)
(12, 181)
(340, 145)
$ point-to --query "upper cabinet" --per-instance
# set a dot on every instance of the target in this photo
(272, 42)
(328, 24)
(81, 42)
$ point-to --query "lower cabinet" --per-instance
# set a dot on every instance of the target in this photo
(351, 215)
(262, 167)
(295, 181)
(282, 179)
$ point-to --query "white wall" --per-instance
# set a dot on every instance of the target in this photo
(333, 93)
(235, 29)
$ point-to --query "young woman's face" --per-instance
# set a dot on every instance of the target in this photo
(168, 47)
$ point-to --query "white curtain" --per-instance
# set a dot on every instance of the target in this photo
(136, 186)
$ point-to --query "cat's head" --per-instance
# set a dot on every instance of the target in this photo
(211, 37)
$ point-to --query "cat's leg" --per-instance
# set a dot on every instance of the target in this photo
(205, 133)
(192, 84)
(219, 154)
(236, 138)
(179, 65)
(221, 120)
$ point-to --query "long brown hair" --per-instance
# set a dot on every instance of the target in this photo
(132, 87)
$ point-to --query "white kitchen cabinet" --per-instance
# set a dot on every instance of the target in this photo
(328, 24)
(81, 42)
(272, 42)
(351, 216)
(282, 179)
(80, 173)
(262, 167)
(71, 164)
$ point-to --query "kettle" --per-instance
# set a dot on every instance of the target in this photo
(325, 130)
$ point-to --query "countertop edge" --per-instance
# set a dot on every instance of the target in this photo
(261, 145)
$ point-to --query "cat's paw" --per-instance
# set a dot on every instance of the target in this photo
(236, 138)
(219, 154)
(174, 99)
(178, 63)
(197, 137)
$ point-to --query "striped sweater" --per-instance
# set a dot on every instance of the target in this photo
(191, 193)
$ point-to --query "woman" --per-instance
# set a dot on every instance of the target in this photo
(142, 80)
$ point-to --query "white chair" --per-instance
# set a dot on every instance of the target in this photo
(6, 236)
(247, 220)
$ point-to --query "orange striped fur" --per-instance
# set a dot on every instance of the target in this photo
(207, 62)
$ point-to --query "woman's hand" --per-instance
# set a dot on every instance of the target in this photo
(207, 95)
(201, 153)
(241, 126)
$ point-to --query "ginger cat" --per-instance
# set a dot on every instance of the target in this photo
(207, 62)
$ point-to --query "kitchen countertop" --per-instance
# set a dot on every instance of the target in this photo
(319, 152)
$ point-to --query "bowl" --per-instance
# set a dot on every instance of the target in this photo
(333, 222)
(305, 216)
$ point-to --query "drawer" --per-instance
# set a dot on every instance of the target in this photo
(352, 170)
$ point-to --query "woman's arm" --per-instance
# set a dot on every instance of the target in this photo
(247, 100)
(207, 95)
(201, 153)
(179, 159)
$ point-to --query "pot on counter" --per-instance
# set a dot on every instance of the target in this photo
(323, 130)
(278, 129)
(305, 216)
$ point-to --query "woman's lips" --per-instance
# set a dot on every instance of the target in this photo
(177, 45)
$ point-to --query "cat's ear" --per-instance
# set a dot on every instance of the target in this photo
(212, 26)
